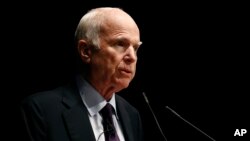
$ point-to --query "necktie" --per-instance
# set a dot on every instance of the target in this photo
(108, 125)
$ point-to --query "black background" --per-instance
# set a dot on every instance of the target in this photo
(194, 59)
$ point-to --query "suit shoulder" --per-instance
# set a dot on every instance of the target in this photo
(125, 103)
(43, 96)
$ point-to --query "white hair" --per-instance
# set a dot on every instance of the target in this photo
(90, 25)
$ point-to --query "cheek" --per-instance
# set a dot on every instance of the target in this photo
(108, 64)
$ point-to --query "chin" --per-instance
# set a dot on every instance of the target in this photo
(126, 84)
(123, 84)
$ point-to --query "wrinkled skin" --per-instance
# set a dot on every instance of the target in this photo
(113, 67)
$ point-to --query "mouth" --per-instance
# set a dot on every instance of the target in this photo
(125, 71)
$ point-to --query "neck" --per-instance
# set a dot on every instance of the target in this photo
(106, 90)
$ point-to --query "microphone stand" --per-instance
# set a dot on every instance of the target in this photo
(190, 123)
(159, 127)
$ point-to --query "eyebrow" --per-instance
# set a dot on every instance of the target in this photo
(126, 39)
(139, 43)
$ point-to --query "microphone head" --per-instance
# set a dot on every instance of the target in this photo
(145, 97)
(172, 111)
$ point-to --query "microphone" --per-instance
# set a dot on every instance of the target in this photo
(110, 129)
(158, 125)
(190, 123)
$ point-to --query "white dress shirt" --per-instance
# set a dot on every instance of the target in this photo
(94, 103)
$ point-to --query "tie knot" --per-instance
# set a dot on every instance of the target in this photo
(107, 110)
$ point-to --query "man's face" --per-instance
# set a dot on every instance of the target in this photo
(115, 63)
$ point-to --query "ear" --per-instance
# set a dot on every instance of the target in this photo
(84, 51)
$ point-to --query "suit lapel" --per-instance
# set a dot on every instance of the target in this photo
(76, 117)
(78, 124)
(124, 120)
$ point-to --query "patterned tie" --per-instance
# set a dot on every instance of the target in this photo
(108, 125)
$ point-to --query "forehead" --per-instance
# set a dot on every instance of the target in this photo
(120, 27)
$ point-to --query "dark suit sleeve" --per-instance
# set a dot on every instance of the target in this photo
(33, 117)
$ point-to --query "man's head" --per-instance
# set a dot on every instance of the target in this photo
(108, 40)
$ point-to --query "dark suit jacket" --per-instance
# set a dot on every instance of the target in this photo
(60, 115)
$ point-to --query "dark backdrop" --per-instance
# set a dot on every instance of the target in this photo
(193, 59)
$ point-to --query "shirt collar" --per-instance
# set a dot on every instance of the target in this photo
(91, 98)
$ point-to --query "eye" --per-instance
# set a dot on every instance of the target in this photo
(122, 44)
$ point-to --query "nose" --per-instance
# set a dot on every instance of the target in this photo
(130, 55)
